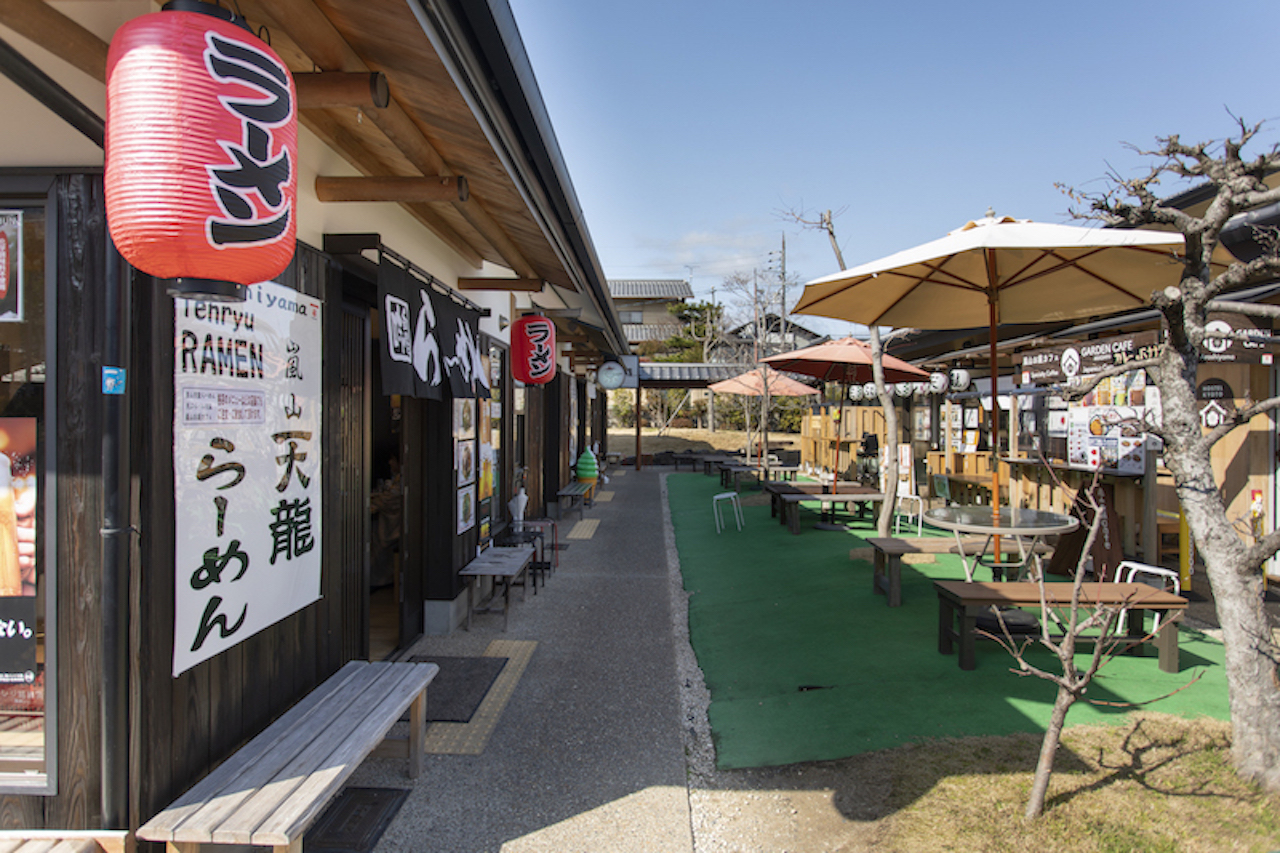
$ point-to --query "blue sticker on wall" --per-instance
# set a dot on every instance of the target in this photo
(113, 380)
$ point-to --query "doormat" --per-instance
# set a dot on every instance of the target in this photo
(355, 820)
(458, 689)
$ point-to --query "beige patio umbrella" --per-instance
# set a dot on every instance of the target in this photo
(848, 361)
(1002, 270)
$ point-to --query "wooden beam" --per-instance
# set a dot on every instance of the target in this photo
(329, 89)
(316, 36)
(396, 189)
(531, 285)
(58, 34)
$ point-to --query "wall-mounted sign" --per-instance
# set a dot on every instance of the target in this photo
(1076, 362)
(246, 467)
(1258, 346)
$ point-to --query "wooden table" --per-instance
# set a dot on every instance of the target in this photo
(791, 503)
(962, 601)
(504, 565)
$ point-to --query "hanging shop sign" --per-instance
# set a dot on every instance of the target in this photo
(429, 342)
(201, 151)
(246, 467)
(533, 350)
(1222, 346)
(1076, 362)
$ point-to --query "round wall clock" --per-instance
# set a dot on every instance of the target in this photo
(610, 375)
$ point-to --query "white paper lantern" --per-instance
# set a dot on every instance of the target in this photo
(869, 391)
(959, 379)
(904, 389)
(855, 392)
(938, 383)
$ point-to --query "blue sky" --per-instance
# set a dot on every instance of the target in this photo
(690, 126)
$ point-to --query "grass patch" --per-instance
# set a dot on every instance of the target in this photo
(1158, 783)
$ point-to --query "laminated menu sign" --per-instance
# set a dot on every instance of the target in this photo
(246, 467)
(1108, 437)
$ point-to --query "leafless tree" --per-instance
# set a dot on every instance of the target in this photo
(1064, 626)
(826, 224)
(1233, 560)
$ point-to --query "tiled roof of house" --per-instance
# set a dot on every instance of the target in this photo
(677, 372)
(636, 332)
(659, 288)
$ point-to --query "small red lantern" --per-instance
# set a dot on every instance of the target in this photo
(201, 151)
(533, 350)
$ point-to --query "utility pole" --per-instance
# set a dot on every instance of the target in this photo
(713, 333)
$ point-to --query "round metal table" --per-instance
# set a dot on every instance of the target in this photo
(1025, 526)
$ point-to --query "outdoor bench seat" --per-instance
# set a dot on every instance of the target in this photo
(886, 574)
(62, 841)
(578, 493)
(270, 791)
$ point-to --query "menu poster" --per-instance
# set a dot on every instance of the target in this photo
(247, 451)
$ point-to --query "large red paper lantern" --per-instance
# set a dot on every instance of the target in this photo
(533, 350)
(201, 151)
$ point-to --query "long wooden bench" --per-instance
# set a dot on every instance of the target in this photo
(961, 602)
(886, 574)
(62, 841)
(272, 789)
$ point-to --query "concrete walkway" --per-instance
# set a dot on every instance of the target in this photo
(589, 751)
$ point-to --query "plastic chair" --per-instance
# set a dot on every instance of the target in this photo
(732, 498)
(1156, 576)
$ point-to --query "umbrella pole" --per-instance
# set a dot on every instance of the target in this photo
(995, 429)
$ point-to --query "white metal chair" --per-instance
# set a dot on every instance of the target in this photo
(1157, 576)
(732, 498)
(906, 490)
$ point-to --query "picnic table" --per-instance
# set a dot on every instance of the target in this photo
(790, 501)
(961, 602)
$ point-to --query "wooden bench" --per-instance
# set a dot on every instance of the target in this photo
(62, 841)
(270, 791)
(886, 575)
(579, 495)
(961, 602)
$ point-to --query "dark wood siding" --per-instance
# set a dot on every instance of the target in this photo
(180, 728)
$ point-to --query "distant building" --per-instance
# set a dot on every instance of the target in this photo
(644, 307)
(772, 336)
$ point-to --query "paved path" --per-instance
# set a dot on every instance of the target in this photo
(589, 751)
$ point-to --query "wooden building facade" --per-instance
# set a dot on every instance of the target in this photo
(109, 734)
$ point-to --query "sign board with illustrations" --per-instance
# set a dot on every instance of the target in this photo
(246, 467)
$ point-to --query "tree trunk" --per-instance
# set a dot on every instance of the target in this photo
(1251, 650)
(890, 472)
(1048, 750)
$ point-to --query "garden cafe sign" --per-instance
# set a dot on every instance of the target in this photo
(1077, 362)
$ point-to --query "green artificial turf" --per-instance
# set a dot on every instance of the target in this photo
(804, 662)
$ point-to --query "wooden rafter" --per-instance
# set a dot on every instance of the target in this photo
(436, 189)
(530, 285)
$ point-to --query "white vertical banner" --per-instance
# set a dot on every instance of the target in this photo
(246, 467)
